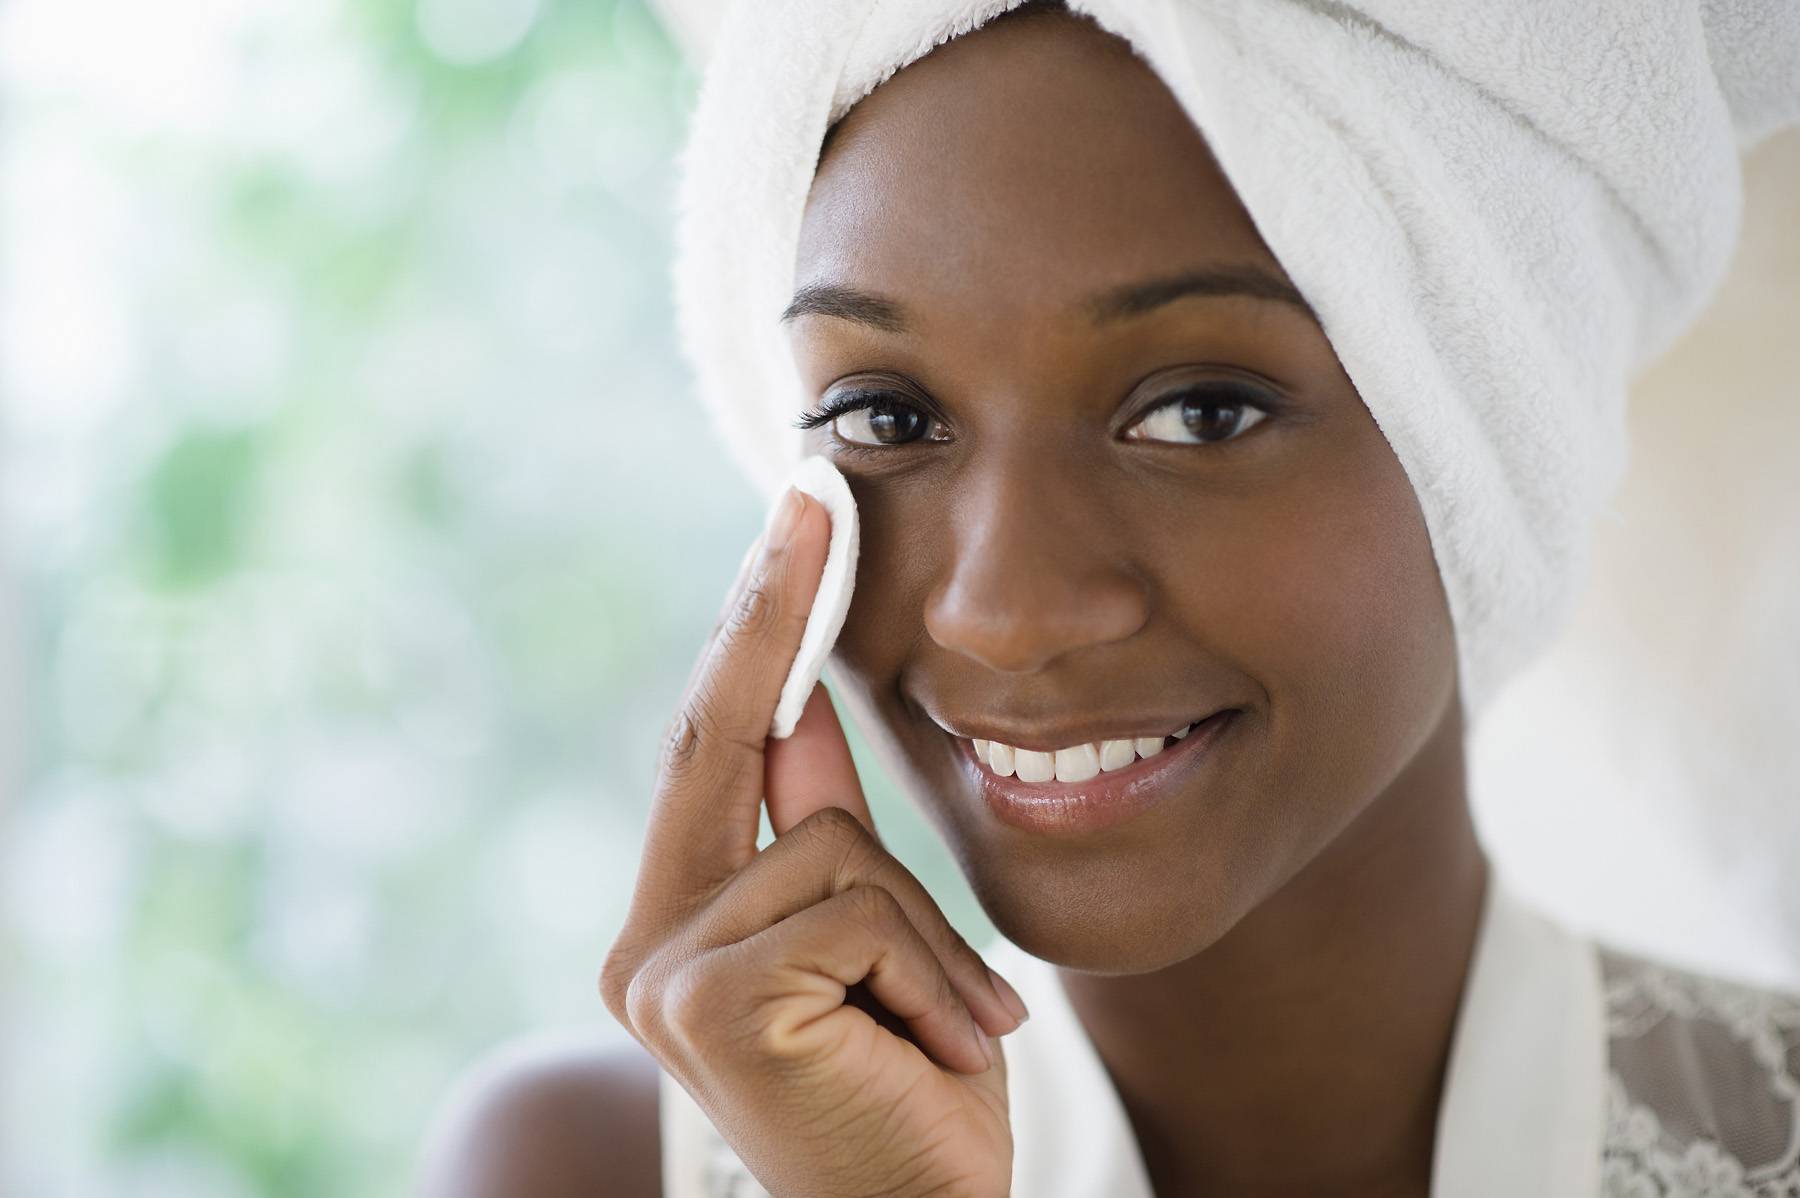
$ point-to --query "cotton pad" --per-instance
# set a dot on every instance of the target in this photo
(820, 479)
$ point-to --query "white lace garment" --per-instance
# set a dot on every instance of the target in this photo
(1702, 1099)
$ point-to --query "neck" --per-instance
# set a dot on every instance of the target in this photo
(1304, 1052)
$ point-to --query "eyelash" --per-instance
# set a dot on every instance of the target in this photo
(855, 401)
(845, 402)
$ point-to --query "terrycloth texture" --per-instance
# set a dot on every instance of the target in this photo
(1499, 212)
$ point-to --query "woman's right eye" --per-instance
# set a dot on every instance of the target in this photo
(887, 425)
(872, 419)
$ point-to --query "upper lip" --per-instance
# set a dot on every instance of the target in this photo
(1045, 737)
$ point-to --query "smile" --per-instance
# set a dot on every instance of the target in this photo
(1086, 787)
(1077, 763)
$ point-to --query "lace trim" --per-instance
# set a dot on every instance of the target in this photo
(1702, 1096)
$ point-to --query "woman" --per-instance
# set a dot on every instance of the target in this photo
(1174, 630)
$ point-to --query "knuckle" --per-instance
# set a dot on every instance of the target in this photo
(681, 743)
(962, 949)
(835, 822)
(876, 908)
(700, 743)
(954, 950)
(691, 735)
(754, 613)
(689, 1003)
(690, 738)
(642, 1002)
(835, 834)
(861, 855)
(945, 996)
(616, 976)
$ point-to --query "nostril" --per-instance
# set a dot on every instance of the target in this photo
(1016, 622)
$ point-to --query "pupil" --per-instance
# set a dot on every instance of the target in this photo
(1203, 418)
(891, 424)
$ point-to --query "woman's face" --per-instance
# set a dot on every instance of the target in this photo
(1085, 519)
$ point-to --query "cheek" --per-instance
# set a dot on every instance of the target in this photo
(1338, 610)
(887, 602)
(872, 646)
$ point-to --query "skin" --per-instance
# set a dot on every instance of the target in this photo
(1273, 957)
(1268, 962)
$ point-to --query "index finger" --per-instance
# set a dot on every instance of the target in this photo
(708, 800)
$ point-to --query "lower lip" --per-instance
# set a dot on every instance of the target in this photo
(1108, 798)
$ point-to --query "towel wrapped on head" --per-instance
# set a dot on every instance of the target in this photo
(1499, 213)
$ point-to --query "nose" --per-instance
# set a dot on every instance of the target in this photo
(1038, 568)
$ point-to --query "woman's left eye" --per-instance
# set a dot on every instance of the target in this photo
(1200, 416)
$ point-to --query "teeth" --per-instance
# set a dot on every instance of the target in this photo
(1077, 763)
(1116, 754)
(1032, 766)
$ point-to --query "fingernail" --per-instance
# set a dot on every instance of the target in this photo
(1009, 996)
(784, 517)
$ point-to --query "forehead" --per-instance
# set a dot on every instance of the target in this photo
(1028, 162)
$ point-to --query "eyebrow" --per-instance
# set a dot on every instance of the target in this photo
(1108, 307)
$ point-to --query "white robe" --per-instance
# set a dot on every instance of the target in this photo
(1577, 1070)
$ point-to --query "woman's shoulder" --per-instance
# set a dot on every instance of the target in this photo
(548, 1117)
(1703, 1079)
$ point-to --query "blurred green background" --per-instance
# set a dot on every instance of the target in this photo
(359, 534)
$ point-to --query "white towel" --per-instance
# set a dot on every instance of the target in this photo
(1499, 212)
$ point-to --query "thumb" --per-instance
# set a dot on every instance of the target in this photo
(812, 768)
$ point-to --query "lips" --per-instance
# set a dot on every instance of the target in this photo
(1083, 807)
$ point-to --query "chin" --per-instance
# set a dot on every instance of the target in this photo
(1121, 912)
(1113, 932)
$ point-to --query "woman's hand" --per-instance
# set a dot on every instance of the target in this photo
(811, 996)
